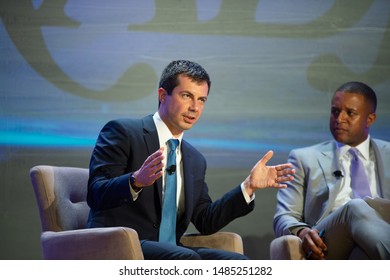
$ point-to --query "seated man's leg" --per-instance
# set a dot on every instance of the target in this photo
(381, 206)
(214, 254)
(356, 224)
(153, 250)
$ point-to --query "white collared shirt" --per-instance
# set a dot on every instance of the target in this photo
(368, 158)
(164, 134)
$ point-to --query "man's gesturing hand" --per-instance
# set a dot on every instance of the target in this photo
(151, 169)
(263, 176)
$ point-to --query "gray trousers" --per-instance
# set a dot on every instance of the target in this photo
(358, 230)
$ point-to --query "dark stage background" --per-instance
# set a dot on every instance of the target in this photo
(68, 67)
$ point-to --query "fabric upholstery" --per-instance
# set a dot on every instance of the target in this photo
(61, 193)
(221, 240)
(287, 247)
(117, 243)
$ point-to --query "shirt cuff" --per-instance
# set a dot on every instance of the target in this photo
(295, 230)
(248, 198)
(134, 193)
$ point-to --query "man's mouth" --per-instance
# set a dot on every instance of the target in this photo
(189, 118)
(340, 129)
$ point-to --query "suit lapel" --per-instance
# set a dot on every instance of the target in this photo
(381, 154)
(152, 144)
(188, 178)
(329, 163)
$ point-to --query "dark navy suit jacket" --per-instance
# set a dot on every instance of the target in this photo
(122, 147)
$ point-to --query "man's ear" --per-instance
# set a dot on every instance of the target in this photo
(371, 119)
(162, 93)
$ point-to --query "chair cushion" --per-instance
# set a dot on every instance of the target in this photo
(71, 194)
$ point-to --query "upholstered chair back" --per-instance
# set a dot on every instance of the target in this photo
(61, 196)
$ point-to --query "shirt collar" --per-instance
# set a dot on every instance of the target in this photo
(164, 134)
(363, 148)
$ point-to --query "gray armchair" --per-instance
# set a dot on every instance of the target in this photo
(287, 247)
(61, 197)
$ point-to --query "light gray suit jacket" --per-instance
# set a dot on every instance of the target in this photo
(311, 195)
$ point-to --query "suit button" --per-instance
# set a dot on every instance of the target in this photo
(156, 225)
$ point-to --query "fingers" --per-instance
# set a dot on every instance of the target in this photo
(154, 162)
(313, 245)
(285, 177)
(279, 186)
(284, 169)
(151, 169)
(320, 241)
(284, 173)
(283, 166)
(263, 176)
(266, 157)
(280, 181)
(155, 156)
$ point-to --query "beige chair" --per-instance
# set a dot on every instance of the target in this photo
(287, 247)
(61, 197)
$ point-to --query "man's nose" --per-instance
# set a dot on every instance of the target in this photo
(194, 106)
(342, 116)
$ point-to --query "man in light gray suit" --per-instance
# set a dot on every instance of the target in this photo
(320, 206)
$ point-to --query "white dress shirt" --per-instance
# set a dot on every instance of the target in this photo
(164, 134)
(367, 156)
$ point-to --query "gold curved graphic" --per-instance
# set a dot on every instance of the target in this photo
(235, 18)
(327, 71)
(23, 24)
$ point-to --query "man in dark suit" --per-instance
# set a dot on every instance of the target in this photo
(323, 197)
(128, 172)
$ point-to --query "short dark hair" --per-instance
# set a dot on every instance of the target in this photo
(169, 77)
(360, 88)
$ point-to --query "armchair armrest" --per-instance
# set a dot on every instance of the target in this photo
(287, 247)
(227, 241)
(112, 243)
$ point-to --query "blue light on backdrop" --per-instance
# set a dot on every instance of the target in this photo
(67, 67)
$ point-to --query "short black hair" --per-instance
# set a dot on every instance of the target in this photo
(169, 77)
(360, 88)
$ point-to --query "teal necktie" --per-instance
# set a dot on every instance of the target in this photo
(168, 218)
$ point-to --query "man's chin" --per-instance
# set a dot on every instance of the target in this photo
(340, 138)
(187, 125)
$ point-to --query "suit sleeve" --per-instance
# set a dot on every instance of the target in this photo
(219, 213)
(208, 216)
(108, 184)
(290, 201)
